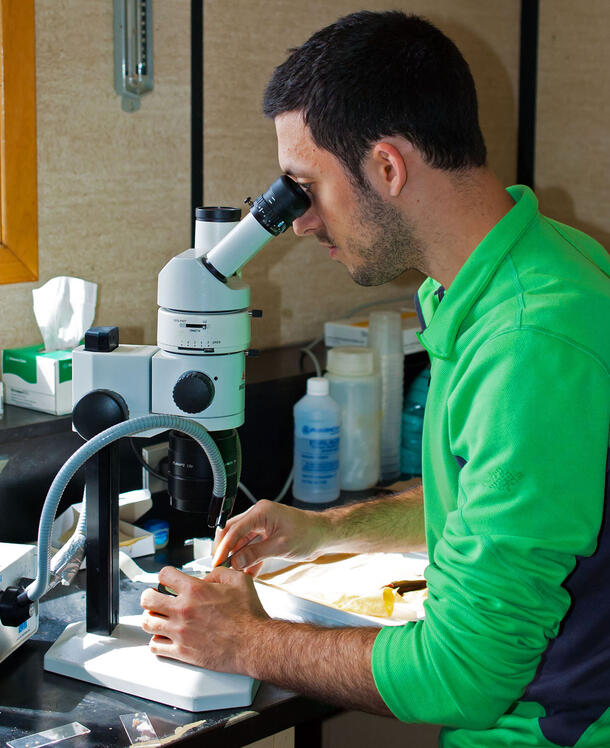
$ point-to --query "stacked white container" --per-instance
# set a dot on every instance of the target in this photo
(317, 421)
(385, 338)
(356, 386)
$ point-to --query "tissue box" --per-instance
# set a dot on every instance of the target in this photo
(38, 380)
(133, 540)
(355, 331)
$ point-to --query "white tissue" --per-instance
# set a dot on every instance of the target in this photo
(64, 309)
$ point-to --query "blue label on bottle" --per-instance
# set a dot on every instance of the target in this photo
(330, 430)
(319, 461)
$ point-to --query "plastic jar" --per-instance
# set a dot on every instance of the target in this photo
(385, 338)
(356, 387)
(317, 420)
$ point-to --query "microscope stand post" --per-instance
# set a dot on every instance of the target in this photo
(94, 413)
(102, 480)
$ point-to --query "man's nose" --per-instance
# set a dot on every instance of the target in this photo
(308, 223)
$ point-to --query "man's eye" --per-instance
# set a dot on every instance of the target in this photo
(305, 186)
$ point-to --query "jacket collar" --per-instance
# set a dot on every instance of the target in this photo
(443, 320)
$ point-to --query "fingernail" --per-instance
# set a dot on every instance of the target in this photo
(239, 562)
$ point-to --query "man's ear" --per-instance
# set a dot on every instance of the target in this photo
(387, 168)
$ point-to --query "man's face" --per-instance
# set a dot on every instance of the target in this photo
(369, 236)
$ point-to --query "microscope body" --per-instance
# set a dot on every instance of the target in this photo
(197, 368)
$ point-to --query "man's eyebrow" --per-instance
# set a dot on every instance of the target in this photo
(293, 173)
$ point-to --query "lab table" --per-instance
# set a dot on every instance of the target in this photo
(32, 700)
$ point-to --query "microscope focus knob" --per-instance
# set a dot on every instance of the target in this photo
(193, 391)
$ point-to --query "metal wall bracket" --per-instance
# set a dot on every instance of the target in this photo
(133, 51)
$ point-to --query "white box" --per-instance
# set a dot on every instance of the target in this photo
(125, 370)
(17, 561)
(37, 379)
(355, 330)
(134, 541)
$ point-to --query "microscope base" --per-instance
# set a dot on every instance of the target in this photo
(124, 662)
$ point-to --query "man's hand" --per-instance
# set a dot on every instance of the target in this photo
(391, 524)
(210, 622)
(268, 529)
(218, 623)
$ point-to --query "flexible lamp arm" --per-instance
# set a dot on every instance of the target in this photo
(39, 586)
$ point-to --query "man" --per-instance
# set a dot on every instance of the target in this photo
(376, 117)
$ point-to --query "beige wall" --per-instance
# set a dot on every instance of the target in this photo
(113, 188)
(572, 143)
(293, 280)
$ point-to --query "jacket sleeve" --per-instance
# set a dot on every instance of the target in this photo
(530, 418)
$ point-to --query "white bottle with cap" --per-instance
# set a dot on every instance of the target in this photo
(317, 420)
(356, 386)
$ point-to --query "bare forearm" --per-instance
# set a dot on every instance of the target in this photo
(392, 524)
(332, 665)
(221, 625)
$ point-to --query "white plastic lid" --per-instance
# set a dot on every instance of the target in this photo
(317, 386)
(350, 361)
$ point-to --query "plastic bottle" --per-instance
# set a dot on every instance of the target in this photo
(412, 424)
(317, 419)
(385, 337)
(356, 386)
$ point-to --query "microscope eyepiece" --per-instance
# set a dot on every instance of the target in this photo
(271, 214)
(280, 204)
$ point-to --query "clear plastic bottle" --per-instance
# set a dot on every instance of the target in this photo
(413, 423)
(385, 338)
(356, 386)
(317, 420)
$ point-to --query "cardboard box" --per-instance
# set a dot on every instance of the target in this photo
(38, 380)
(355, 330)
(133, 540)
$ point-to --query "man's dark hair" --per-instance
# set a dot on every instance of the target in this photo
(371, 75)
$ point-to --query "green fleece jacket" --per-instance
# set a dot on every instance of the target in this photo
(515, 645)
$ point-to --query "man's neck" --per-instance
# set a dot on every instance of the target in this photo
(453, 214)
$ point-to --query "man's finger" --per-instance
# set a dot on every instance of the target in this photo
(222, 575)
(155, 624)
(235, 539)
(162, 646)
(254, 570)
(251, 554)
(150, 599)
(172, 577)
(238, 533)
(222, 531)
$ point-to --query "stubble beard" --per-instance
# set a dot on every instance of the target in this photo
(390, 244)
